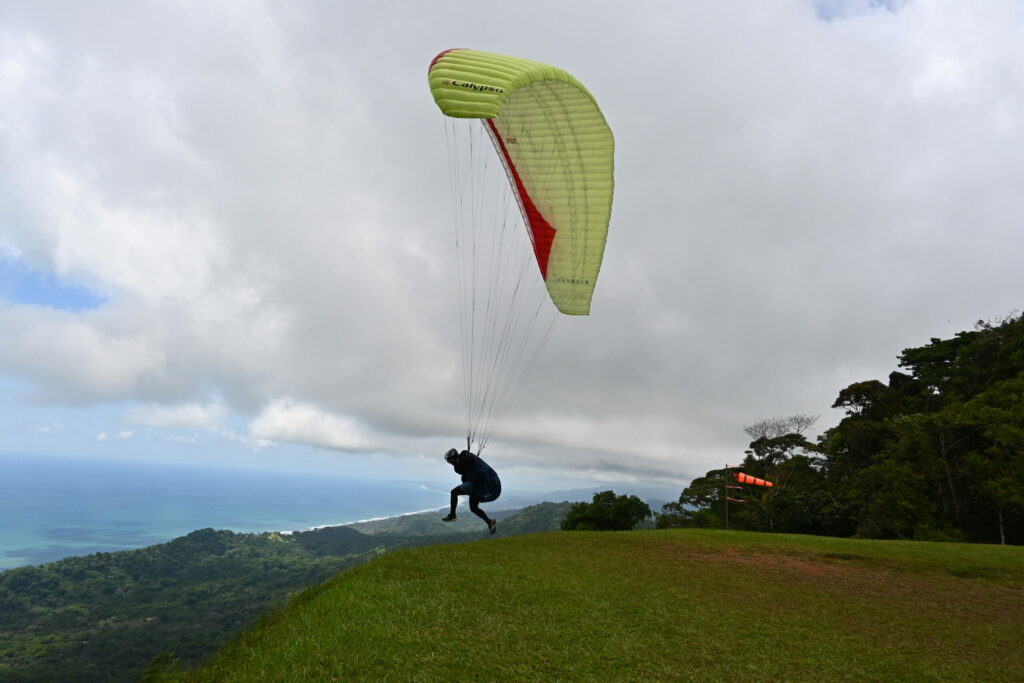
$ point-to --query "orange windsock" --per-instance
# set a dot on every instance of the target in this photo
(747, 479)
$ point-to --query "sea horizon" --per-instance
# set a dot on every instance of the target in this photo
(53, 506)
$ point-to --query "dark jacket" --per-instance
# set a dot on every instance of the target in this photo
(485, 481)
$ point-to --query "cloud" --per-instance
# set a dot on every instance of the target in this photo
(253, 444)
(124, 435)
(259, 200)
(200, 415)
(286, 420)
(70, 356)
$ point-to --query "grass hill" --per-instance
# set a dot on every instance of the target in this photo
(649, 605)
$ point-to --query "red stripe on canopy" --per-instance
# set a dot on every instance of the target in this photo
(439, 55)
(541, 233)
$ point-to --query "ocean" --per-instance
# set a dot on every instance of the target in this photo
(54, 507)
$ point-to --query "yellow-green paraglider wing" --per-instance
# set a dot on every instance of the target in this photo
(558, 151)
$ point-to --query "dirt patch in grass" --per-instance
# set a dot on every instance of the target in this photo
(842, 556)
(802, 567)
(854, 576)
(834, 572)
(798, 562)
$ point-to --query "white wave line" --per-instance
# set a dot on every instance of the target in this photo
(361, 521)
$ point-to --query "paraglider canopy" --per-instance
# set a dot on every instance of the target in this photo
(558, 152)
(552, 153)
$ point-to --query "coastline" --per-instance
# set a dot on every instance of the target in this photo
(56, 507)
(362, 521)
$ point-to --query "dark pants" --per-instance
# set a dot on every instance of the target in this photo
(466, 489)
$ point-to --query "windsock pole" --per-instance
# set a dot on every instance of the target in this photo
(725, 493)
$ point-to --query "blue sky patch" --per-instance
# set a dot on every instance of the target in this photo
(832, 10)
(23, 285)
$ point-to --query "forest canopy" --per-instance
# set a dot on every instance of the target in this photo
(936, 452)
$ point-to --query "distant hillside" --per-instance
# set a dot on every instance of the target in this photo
(103, 617)
(648, 605)
(654, 496)
(540, 517)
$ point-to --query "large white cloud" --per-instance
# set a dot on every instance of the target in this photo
(259, 194)
(287, 420)
(69, 357)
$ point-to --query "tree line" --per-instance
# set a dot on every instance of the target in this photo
(934, 453)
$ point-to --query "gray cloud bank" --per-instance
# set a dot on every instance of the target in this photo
(258, 193)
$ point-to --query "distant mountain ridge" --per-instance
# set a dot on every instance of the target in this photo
(652, 495)
(538, 517)
(534, 517)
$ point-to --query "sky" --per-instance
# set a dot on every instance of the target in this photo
(225, 227)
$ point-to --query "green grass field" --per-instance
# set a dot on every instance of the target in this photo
(652, 605)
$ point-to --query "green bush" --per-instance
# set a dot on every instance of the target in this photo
(607, 512)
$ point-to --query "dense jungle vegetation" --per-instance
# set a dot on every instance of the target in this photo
(934, 453)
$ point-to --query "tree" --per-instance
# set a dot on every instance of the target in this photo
(774, 427)
(937, 453)
(774, 457)
(778, 453)
(699, 505)
(607, 512)
(996, 469)
(868, 400)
